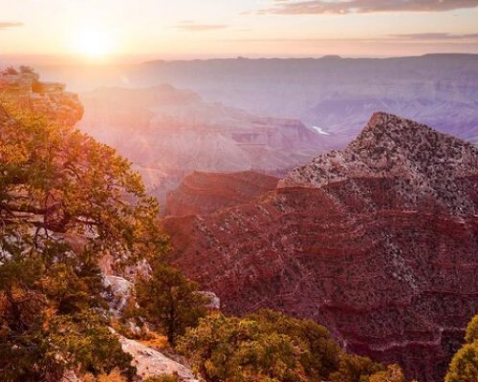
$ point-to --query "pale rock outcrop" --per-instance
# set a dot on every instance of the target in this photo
(121, 292)
(48, 99)
(214, 301)
(151, 363)
(70, 376)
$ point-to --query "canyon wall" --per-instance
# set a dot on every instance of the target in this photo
(378, 242)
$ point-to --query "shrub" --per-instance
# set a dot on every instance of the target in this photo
(170, 301)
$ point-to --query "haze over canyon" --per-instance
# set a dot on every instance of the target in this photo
(171, 118)
(376, 241)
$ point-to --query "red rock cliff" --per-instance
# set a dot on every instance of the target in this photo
(378, 242)
(203, 193)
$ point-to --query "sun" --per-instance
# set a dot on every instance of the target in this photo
(93, 42)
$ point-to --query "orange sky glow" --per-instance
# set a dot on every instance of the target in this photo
(56, 31)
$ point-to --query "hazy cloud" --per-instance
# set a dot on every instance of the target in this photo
(429, 38)
(291, 7)
(435, 36)
(195, 27)
(6, 25)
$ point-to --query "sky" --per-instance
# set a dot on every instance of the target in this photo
(127, 30)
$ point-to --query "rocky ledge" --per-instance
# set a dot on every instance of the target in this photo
(203, 193)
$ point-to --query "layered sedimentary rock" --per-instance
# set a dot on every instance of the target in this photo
(203, 193)
(332, 93)
(378, 242)
(33, 97)
(169, 133)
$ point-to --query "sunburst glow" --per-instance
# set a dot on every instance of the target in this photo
(94, 42)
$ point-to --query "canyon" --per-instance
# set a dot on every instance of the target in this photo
(333, 93)
(265, 115)
(168, 133)
(378, 242)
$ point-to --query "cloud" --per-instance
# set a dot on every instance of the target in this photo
(192, 26)
(317, 7)
(434, 36)
(6, 25)
(393, 38)
(372, 46)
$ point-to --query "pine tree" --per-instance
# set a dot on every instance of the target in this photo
(170, 301)
(65, 202)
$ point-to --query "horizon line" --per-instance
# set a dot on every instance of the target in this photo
(43, 59)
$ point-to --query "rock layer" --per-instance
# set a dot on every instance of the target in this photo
(203, 193)
(169, 133)
(378, 242)
(32, 97)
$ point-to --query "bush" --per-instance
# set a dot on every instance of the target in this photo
(464, 365)
(27, 69)
(10, 71)
(269, 346)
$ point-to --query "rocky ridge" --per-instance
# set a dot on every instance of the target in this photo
(422, 162)
(378, 242)
(203, 193)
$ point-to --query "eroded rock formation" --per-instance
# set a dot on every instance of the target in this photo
(169, 133)
(378, 242)
(203, 193)
(33, 97)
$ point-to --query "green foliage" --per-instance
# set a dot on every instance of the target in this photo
(323, 352)
(84, 340)
(170, 301)
(392, 374)
(56, 179)
(472, 330)
(355, 369)
(464, 365)
(49, 344)
(269, 346)
(65, 202)
(25, 351)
